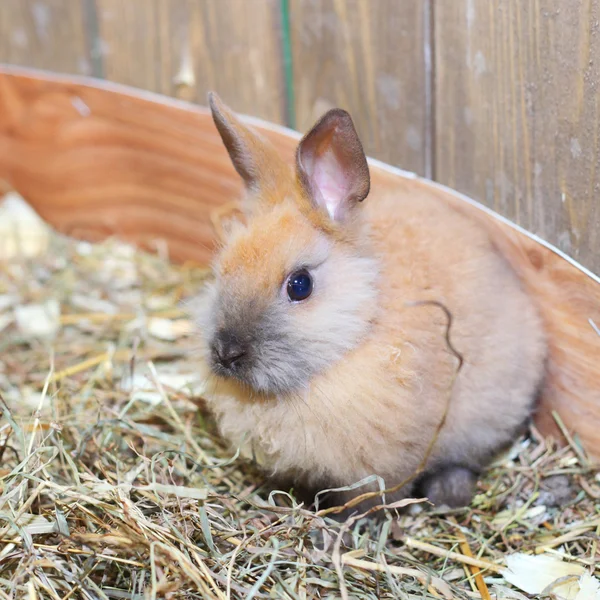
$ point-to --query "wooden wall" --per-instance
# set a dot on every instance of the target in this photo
(496, 98)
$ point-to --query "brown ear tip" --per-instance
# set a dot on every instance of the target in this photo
(337, 114)
(338, 117)
(213, 100)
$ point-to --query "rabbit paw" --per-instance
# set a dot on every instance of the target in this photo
(453, 486)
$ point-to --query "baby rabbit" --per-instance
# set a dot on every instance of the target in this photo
(324, 332)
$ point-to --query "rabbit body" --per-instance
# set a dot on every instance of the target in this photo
(355, 380)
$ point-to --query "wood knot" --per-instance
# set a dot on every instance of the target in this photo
(536, 259)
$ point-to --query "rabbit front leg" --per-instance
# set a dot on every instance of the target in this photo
(451, 485)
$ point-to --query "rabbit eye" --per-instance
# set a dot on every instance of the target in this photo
(299, 285)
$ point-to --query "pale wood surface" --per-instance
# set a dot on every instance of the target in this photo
(518, 113)
(181, 48)
(368, 57)
(97, 161)
(185, 48)
(497, 99)
(45, 34)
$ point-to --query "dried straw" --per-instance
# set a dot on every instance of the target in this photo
(115, 485)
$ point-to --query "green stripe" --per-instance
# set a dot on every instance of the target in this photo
(288, 67)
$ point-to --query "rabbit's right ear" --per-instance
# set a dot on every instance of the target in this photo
(332, 166)
(254, 159)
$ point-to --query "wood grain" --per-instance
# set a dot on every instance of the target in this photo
(96, 163)
(96, 160)
(369, 58)
(518, 113)
(45, 34)
(185, 48)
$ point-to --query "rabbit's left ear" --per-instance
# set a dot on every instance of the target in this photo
(254, 158)
(332, 166)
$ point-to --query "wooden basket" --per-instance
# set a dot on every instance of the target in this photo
(96, 159)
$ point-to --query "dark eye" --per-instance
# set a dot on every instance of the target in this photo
(300, 285)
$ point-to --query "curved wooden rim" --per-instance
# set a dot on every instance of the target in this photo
(140, 183)
(281, 129)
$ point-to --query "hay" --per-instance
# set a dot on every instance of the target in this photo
(115, 484)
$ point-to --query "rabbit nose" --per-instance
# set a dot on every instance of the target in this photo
(228, 350)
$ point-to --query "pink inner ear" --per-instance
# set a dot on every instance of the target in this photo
(331, 183)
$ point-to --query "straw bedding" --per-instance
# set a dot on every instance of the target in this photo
(115, 484)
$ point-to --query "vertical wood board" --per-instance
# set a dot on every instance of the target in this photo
(371, 58)
(497, 99)
(180, 48)
(518, 113)
(45, 34)
(185, 48)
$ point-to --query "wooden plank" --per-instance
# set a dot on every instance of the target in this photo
(518, 112)
(369, 57)
(185, 48)
(95, 162)
(45, 34)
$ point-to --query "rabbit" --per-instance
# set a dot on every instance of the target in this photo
(323, 335)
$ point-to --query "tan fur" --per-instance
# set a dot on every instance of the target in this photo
(375, 410)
